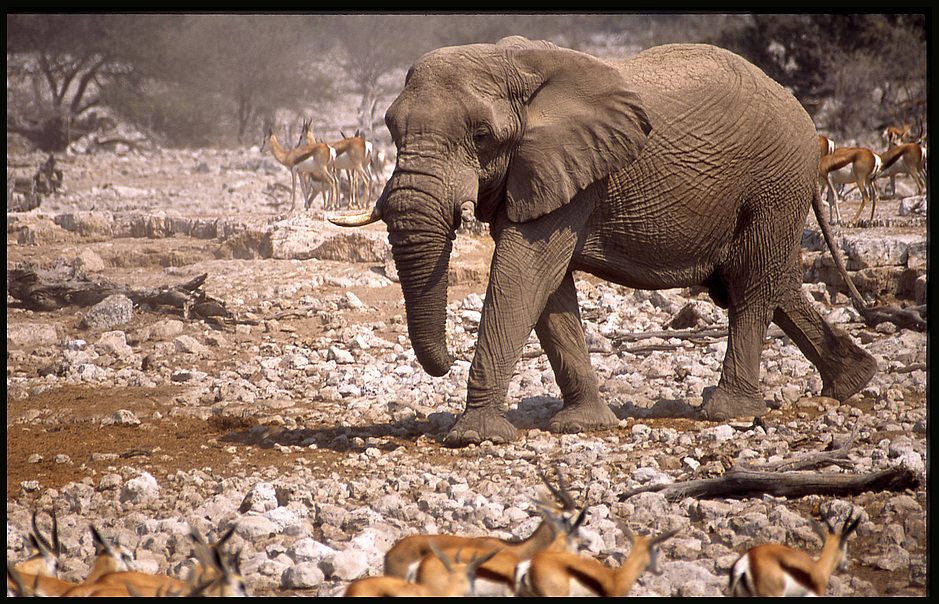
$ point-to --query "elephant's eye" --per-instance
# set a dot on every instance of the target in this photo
(480, 135)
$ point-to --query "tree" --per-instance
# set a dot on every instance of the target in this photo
(65, 62)
(368, 48)
(871, 66)
(243, 67)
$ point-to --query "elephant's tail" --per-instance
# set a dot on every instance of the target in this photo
(871, 316)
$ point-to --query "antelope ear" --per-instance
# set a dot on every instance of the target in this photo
(581, 123)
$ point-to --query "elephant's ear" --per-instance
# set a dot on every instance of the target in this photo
(582, 123)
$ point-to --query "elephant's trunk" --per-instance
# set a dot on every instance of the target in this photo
(421, 230)
(422, 270)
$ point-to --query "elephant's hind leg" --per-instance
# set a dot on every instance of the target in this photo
(561, 334)
(752, 278)
(844, 366)
(738, 393)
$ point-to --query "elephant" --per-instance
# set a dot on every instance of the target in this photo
(684, 165)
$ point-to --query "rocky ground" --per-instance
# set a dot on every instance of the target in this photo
(304, 417)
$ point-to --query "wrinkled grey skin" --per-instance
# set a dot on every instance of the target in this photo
(684, 165)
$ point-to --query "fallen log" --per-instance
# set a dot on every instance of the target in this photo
(48, 290)
(738, 482)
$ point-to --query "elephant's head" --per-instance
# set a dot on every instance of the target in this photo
(518, 125)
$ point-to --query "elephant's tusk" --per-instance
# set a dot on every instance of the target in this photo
(358, 219)
(467, 211)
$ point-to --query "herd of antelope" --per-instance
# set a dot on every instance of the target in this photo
(318, 166)
(859, 166)
(548, 563)
(545, 564)
(112, 575)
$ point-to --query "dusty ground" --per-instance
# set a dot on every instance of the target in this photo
(187, 442)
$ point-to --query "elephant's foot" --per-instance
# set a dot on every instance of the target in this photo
(480, 424)
(724, 405)
(583, 418)
(852, 373)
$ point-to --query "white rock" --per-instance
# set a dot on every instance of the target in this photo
(141, 488)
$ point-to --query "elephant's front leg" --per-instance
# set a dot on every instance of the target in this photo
(561, 334)
(528, 266)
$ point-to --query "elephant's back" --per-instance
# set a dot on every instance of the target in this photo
(701, 76)
(727, 143)
(680, 68)
(704, 100)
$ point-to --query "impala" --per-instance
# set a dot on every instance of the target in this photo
(855, 165)
(561, 574)
(459, 580)
(908, 158)
(777, 570)
(404, 556)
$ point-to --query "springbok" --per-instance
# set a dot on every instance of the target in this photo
(497, 576)
(45, 558)
(316, 158)
(855, 165)
(404, 556)
(353, 154)
(108, 559)
(826, 145)
(458, 580)
(38, 575)
(562, 574)
(777, 570)
(894, 136)
(908, 158)
(213, 577)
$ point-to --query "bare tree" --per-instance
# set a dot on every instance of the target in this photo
(253, 63)
(369, 47)
(65, 62)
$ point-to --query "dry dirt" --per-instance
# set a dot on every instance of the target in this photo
(188, 443)
(185, 443)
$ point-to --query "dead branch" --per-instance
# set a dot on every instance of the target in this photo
(901, 317)
(738, 482)
(48, 290)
